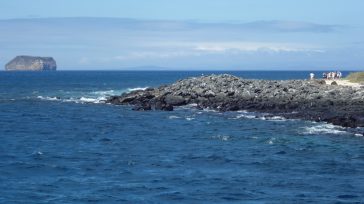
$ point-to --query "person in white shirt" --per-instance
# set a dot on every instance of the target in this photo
(312, 76)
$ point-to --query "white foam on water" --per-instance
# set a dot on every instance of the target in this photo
(37, 153)
(87, 100)
(173, 117)
(271, 140)
(248, 116)
(108, 92)
(273, 118)
(136, 89)
(75, 100)
(191, 105)
(91, 100)
(259, 116)
(189, 118)
(47, 98)
(88, 97)
(222, 137)
(10, 99)
(324, 128)
(210, 110)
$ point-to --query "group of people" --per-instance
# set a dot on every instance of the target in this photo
(328, 75)
(332, 75)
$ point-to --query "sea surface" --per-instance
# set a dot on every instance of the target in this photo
(59, 143)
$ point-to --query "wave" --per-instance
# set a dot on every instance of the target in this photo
(253, 115)
(73, 99)
(48, 98)
(273, 118)
(116, 92)
(247, 116)
(89, 100)
(136, 89)
(174, 117)
(87, 97)
(324, 128)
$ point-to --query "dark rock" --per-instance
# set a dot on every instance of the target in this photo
(30, 63)
(345, 121)
(321, 82)
(304, 99)
(175, 100)
(161, 105)
(142, 107)
(168, 107)
(334, 83)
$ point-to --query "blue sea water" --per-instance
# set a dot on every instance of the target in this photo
(59, 143)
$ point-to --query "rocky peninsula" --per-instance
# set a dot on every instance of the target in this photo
(31, 63)
(293, 99)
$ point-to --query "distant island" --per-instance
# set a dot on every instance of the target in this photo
(31, 63)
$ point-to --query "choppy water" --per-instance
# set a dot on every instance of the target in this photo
(60, 144)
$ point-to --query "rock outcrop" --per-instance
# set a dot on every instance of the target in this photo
(30, 63)
(302, 99)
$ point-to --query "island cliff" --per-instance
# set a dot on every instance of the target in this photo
(294, 99)
(30, 63)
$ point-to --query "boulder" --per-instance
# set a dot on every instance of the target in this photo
(175, 100)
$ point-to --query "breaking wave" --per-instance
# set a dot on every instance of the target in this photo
(254, 115)
(74, 99)
(87, 97)
(324, 128)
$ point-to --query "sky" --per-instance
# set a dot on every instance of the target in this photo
(186, 34)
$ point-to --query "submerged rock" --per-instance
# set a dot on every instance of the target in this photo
(30, 63)
(304, 99)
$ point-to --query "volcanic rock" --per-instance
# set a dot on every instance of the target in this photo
(299, 99)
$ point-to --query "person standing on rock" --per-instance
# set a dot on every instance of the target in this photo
(339, 74)
(312, 76)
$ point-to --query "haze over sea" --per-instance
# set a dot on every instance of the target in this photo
(60, 144)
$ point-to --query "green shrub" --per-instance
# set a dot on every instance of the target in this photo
(357, 77)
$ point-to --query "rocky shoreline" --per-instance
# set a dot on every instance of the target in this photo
(292, 99)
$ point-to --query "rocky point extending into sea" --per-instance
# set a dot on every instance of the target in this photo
(293, 99)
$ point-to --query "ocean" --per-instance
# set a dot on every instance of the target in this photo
(60, 143)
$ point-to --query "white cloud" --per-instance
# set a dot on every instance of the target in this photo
(175, 50)
(256, 47)
(104, 42)
(241, 46)
(135, 55)
(291, 26)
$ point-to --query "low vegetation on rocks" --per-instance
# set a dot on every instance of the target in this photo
(356, 77)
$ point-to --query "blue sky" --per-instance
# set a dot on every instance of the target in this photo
(188, 34)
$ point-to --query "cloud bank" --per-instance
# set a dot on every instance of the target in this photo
(113, 43)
